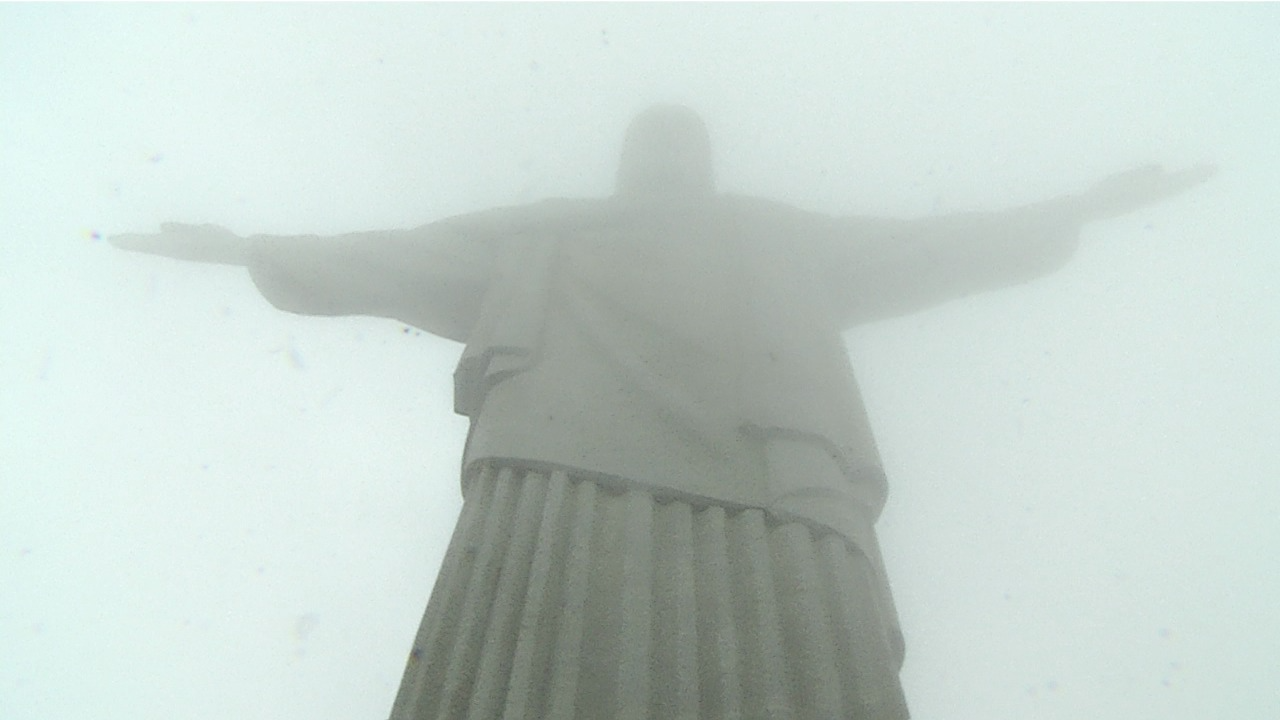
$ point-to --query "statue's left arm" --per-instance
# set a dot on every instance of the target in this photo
(881, 268)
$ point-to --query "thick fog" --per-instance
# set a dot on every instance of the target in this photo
(211, 509)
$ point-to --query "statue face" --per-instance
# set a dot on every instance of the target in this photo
(666, 152)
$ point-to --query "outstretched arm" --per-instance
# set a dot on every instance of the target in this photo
(879, 268)
(433, 277)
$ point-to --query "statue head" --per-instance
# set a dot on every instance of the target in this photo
(666, 151)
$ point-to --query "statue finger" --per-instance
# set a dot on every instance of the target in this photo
(1186, 179)
(1202, 172)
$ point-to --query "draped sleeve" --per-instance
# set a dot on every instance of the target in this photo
(433, 277)
(879, 268)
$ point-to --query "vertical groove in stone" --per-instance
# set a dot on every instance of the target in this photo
(637, 606)
(684, 689)
(830, 551)
(536, 621)
(766, 646)
(494, 669)
(718, 641)
(808, 628)
(568, 644)
(427, 661)
(466, 648)
(864, 647)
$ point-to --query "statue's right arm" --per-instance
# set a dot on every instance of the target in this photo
(432, 277)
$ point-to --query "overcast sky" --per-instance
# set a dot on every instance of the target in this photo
(211, 509)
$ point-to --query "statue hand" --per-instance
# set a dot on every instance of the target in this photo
(197, 243)
(1127, 191)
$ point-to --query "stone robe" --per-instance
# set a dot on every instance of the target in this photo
(690, 346)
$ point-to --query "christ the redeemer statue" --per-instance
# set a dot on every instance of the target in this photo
(670, 483)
